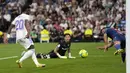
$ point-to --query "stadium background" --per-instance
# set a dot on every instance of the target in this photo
(83, 19)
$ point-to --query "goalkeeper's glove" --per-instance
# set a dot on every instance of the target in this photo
(71, 56)
(62, 57)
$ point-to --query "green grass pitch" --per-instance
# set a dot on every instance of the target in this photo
(98, 61)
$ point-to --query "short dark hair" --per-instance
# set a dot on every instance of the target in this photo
(67, 34)
(25, 9)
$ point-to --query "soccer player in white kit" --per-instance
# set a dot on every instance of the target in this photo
(22, 24)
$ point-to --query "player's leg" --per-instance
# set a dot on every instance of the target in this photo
(123, 55)
(34, 55)
(46, 56)
(117, 45)
(118, 40)
(30, 51)
(43, 56)
(34, 58)
(39, 56)
(26, 55)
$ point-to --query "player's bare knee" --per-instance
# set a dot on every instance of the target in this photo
(116, 42)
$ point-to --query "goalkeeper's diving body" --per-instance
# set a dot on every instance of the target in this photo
(60, 50)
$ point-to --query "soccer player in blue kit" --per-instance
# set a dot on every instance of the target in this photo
(118, 40)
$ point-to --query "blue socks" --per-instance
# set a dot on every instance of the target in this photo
(118, 46)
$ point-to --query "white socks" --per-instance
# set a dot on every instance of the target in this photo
(35, 59)
(28, 54)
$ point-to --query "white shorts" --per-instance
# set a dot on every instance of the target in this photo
(25, 42)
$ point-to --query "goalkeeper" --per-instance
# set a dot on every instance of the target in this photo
(60, 50)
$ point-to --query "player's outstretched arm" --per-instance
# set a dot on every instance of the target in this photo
(106, 46)
(56, 52)
(69, 53)
(9, 30)
(105, 37)
(106, 42)
(6, 35)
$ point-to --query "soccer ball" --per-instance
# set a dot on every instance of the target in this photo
(1, 33)
(83, 53)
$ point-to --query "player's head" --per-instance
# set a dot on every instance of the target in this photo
(26, 10)
(103, 30)
(67, 37)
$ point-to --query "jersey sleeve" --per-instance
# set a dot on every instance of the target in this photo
(28, 18)
(58, 46)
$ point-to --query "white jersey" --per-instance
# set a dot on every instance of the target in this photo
(21, 30)
(19, 23)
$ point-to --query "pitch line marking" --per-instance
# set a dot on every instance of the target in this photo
(4, 58)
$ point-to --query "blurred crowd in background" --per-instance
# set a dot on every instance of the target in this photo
(51, 19)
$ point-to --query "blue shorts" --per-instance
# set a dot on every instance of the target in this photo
(119, 38)
(122, 39)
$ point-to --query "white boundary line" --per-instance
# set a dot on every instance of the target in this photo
(4, 58)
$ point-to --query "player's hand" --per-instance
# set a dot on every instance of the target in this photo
(5, 40)
(6, 36)
(27, 36)
(101, 48)
(105, 48)
(63, 57)
(72, 57)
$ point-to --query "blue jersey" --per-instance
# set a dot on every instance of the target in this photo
(114, 34)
